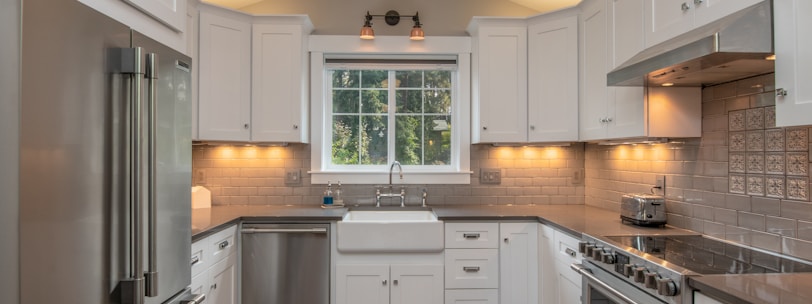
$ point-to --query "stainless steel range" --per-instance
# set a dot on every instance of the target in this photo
(654, 269)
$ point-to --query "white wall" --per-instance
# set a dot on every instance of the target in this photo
(345, 17)
(9, 149)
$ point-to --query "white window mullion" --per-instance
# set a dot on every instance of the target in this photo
(392, 93)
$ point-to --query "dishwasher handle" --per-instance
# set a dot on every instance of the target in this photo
(284, 230)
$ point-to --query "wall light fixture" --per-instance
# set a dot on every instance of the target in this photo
(392, 18)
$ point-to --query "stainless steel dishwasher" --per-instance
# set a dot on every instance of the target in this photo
(285, 263)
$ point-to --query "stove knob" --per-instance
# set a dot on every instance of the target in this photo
(588, 249)
(582, 246)
(628, 270)
(597, 252)
(607, 258)
(640, 274)
(666, 287)
(651, 280)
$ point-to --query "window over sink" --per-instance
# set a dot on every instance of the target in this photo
(372, 109)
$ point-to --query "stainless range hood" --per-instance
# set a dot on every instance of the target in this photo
(732, 48)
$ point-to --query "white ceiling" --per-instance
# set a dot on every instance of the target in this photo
(541, 6)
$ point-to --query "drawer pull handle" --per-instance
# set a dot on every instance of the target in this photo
(223, 245)
(195, 260)
(469, 236)
(470, 268)
(570, 252)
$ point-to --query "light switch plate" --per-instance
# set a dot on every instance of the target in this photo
(659, 185)
(578, 176)
(200, 177)
(490, 176)
(293, 176)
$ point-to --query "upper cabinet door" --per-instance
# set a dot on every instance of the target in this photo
(553, 80)
(666, 19)
(793, 64)
(626, 30)
(224, 98)
(500, 84)
(279, 90)
(708, 11)
(593, 99)
(172, 13)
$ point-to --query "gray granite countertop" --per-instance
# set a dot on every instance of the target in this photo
(572, 219)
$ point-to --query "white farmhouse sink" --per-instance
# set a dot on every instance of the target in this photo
(390, 231)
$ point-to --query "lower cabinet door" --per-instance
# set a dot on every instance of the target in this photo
(413, 284)
(472, 296)
(362, 284)
(201, 283)
(223, 288)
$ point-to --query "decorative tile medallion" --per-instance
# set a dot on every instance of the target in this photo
(755, 141)
(755, 163)
(798, 139)
(798, 163)
(755, 119)
(798, 188)
(736, 142)
(736, 120)
(755, 185)
(775, 186)
(769, 117)
(737, 183)
(774, 163)
(774, 140)
(737, 163)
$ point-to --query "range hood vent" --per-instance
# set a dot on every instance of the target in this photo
(732, 48)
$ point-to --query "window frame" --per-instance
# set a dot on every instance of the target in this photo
(323, 47)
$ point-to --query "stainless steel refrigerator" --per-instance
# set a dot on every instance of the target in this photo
(105, 161)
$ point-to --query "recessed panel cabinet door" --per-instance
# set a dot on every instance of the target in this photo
(593, 98)
(518, 263)
(224, 98)
(413, 284)
(362, 284)
(223, 288)
(172, 13)
(793, 64)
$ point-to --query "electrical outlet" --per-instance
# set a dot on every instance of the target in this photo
(490, 176)
(578, 176)
(293, 177)
(200, 177)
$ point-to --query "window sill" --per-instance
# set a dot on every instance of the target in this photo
(414, 178)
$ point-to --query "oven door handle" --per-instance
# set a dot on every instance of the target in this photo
(613, 293)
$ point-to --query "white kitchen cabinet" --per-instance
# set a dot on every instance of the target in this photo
(666, 19)
(499, 80)
(224, 91)
(214, 267)
(280, 99)
(472, 296)
(558, 283)
(472, 268)
(385, 283)
(172, 13)
(626, 112)
(518, 263)
(625, 30)
(223, 284)
(552, 76)
(793, 65)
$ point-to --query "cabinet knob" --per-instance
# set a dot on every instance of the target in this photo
(532, 127)
(507, 240)
(685, 6)
(609, 119)
(780, 92)
(383, 283)
(698, 2)
(214, 286)
(395, 282)
(245, 126)
(296, 127)
(485, 128)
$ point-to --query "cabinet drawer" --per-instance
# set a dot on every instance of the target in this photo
(471, 235)
(566, 248)
(475, 296)
(471, 268)
(198, 259)
(222, 244)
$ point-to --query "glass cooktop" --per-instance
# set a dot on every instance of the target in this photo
(708, 256)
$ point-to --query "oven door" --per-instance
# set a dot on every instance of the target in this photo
(600, 286)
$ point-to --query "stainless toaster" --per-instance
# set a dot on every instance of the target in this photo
(643, 209)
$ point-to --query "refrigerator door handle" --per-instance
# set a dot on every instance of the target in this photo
(127, 61)
(151, 275)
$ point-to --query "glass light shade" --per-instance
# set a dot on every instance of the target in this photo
(367, 33)
(417, 33)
